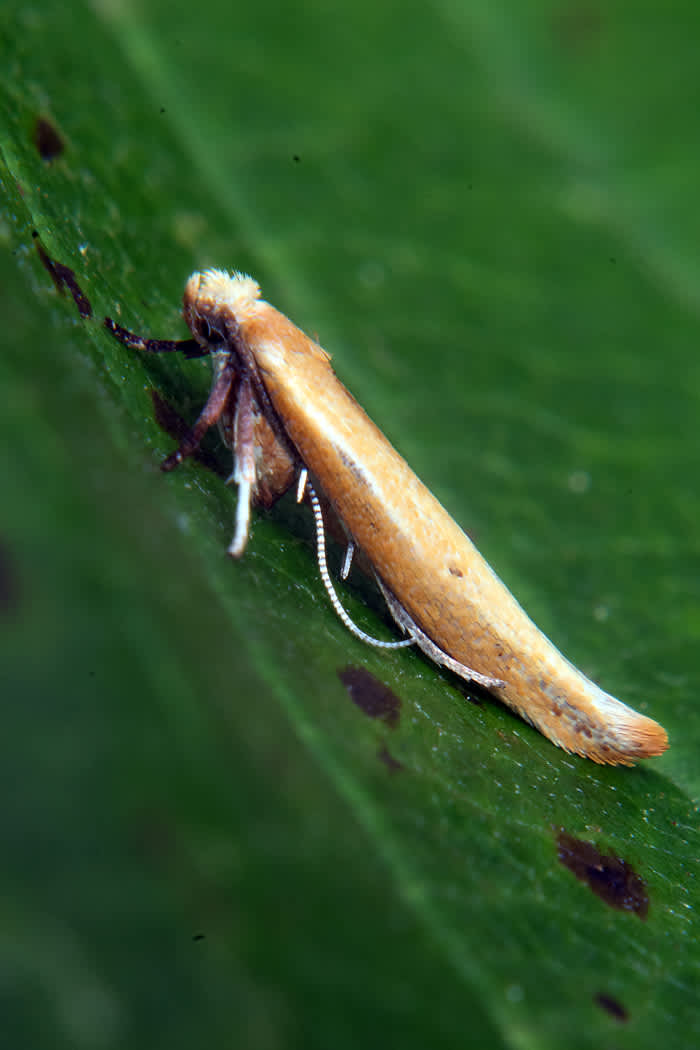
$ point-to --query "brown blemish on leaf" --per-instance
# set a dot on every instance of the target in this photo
(578, 25)
(609, 877)
(385, 756)
(63, 277)
(47, 140)
(371, 695)
(611, 1006)
(9, 583)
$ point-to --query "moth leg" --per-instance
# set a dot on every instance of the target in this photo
(218, 396)
(347, 560)
(301, 484)
(210, 414)
(350, 549)
(325, 576)
(189, 347)
(244, 471)
(436, 654)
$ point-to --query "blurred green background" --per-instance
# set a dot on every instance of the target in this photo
(487, 213)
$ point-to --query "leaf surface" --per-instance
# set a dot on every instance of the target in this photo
(488, 217)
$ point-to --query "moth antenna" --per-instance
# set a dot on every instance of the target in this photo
(323, 569)
(436, 654)
(347, 561)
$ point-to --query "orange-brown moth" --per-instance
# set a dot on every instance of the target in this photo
(284, 412)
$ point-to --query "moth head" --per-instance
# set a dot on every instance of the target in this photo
(216, 303)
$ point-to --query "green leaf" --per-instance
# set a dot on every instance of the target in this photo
(488, 216)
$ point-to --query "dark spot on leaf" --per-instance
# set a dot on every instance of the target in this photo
(154, 838)
(611, 1006)
(63, 277)
(371, 695)
(385, 756)
(578, 25)
(9, 583)
(175, 427)
(296, 158)
(198, 937)
(47, 140)
(610, 878)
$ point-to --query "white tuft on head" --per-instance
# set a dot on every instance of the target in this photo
(220, 290)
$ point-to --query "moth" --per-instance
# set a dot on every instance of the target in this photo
(286, 415)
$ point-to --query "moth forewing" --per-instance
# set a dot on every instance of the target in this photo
(439, 589)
